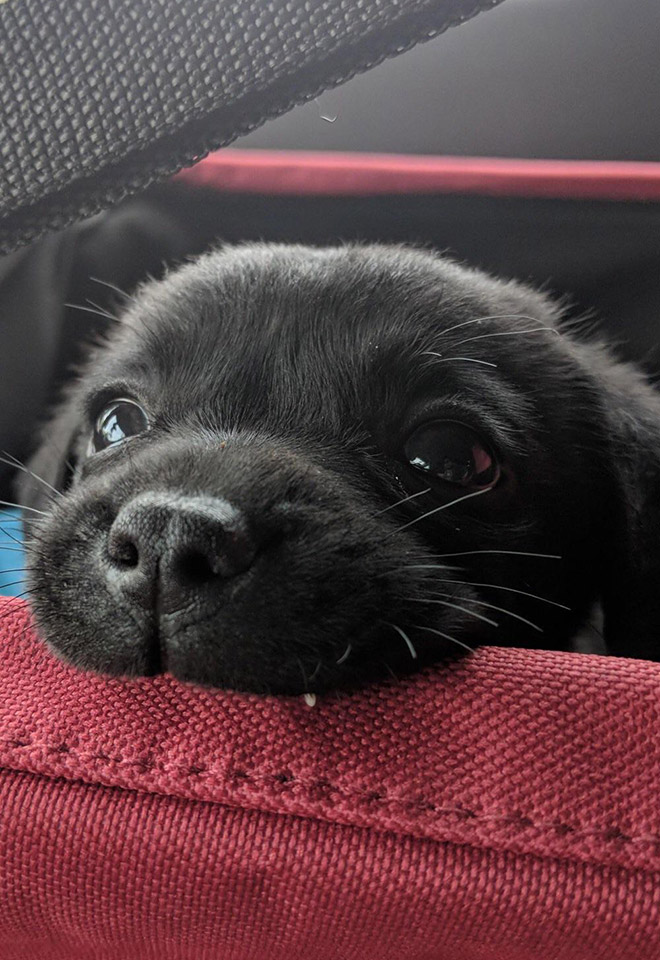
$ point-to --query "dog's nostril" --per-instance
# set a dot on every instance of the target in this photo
(194, 567)
(123, 552)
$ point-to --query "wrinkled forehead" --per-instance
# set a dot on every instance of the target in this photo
(264, 338)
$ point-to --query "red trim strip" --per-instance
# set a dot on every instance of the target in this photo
(349, 174)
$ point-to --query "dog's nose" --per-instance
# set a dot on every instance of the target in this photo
(177, 545)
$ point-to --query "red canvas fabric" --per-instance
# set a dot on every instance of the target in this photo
(501, 808)
(304, 173)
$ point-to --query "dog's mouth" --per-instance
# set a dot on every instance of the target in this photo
(187, 585)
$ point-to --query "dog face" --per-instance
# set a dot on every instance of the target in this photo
(294, 470)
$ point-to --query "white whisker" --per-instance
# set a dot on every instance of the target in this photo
(97, 313)
(506, 333)
(102, 310)
(482, 603)
(316, 670)
(345, 655)
(455, 606)
(112, 286)
(13, 462)
(445, 636)
(512, 553)
(493, 316)
(445, 506)
(492, 586)
(22, 506)
(441, 359)
(405, 500)
(413, 652)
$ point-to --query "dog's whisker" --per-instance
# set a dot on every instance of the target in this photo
(445, 636)
(482, 603)
(14, 583)
(507, 333)
(409, 643)
(102, 310)
(492, 586)
(316, 671)
(345, 655)
(445, 506)
(113, 286)
(441, 359)
(492, 316)
(304, 675)
(412, 496)
(96, 313)
(13, 462)
(11, 537)
(594, 628)
(391, 571)
(511, 553)
(454, 606)
(5, 570)
(389, 669)
(22, 506)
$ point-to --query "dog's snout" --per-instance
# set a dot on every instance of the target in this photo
(176, 544)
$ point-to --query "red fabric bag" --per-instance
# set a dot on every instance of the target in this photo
(500, 808)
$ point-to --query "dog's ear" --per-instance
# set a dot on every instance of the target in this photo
(631, 538)
(52, 465)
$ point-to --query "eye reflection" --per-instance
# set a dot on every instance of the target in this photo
(118, 421)
(453, 453)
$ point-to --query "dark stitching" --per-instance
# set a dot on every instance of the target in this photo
(144, 765)
(286, 778)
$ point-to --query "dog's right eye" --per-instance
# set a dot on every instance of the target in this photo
(118, 421)
(452, 453)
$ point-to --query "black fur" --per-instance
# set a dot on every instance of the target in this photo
(283, 381)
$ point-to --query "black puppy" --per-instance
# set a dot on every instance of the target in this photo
(295, 469)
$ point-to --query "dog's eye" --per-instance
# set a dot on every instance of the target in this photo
(451, 452)
(116, 422)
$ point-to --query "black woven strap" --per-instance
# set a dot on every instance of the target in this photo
(98, 98)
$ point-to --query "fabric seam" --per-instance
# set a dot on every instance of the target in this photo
(281, 781)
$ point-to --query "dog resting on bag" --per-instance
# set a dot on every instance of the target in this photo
(289, 470)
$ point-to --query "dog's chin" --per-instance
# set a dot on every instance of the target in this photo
(208, 655)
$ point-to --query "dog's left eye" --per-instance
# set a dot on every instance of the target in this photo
(116, 422)
(453, 453)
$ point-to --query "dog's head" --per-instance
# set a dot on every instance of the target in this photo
(291, 469)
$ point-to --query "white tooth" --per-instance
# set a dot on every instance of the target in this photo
(310, 699)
